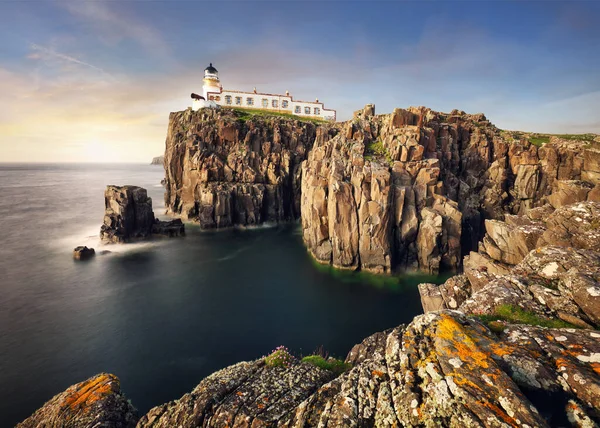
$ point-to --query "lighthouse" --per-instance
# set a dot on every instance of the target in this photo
(214, 96)
(211, 82)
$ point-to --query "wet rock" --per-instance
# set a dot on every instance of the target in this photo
(96, 402)
(83, 253)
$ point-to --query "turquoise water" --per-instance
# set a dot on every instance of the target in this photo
(163, 314)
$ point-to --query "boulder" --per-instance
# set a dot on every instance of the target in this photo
(83, 253)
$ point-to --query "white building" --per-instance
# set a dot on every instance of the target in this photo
(213, 94)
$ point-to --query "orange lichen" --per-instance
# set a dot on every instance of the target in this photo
(466, 349)
(499, 412)
(89, 392)
(239, 393)
(378, 373)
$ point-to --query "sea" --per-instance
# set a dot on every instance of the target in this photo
(165, 313)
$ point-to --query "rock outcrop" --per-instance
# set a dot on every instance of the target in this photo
(546, 263)
(96, 402)
(128, 216)
(444, 369)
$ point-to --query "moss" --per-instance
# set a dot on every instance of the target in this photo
(394, 283)
(331, 364)
(516, 315)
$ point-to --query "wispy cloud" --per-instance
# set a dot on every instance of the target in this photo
(62, 56)
(114, 25)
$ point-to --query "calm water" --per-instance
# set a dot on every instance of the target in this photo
(160, 315)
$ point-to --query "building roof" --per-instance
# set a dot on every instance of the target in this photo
(211, 69)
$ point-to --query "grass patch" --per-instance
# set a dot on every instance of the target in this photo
(244, 114)
(539, 140)
(331, 364)
(515, 315)
(377, 149)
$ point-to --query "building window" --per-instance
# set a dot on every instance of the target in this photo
(228, 99)
(238, 101)
(265, 102)
(250, 101)
(317, 111)
(212, 98)
(275, 103)
(298, 110)
(306, 110)
(217, 98)
(284, 104)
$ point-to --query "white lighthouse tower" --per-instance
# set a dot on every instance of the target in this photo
(211, 83)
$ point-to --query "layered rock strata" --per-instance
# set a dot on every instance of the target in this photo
(443, 369)
(128, 216)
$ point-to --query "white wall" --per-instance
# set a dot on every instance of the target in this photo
(220, 99)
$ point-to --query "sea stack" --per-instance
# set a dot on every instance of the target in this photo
(128, 216)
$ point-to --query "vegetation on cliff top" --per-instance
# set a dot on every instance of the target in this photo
(246, 114)
(332, 364)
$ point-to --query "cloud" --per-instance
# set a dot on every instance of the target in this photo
(54, 54)
(115, 25)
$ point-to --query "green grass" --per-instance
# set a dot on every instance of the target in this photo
(539, 140)
(332, 364)
(516, 315)
(244, 114)
(377, 149)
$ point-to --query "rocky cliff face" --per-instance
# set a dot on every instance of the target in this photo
(411, 189)
(225, 169)
(407, 190)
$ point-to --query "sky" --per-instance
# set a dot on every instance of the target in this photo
(94, 81)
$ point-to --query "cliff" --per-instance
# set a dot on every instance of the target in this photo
(225, 167)
(401, 191)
